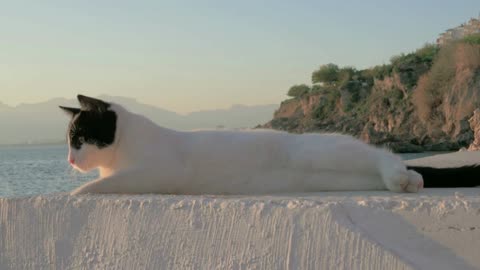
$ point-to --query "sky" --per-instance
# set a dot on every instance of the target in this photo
(195, 55)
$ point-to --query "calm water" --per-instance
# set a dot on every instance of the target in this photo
(30, 170)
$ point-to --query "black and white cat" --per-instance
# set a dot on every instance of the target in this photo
(134, 155)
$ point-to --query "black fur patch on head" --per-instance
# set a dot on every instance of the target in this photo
(92, 124)
(93, 127)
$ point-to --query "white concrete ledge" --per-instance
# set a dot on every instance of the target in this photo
(436, 229)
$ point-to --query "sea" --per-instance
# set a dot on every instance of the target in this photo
(27, 170)
(37, 169)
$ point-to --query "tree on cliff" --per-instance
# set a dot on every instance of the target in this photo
(327, 74)
(345, 75)
(298, 90)
(332, 75)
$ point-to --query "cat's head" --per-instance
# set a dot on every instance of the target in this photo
(91, 133)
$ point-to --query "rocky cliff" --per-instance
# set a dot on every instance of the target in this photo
(475, 126)
(420, 102)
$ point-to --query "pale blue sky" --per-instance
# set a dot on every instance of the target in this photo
(192, 55)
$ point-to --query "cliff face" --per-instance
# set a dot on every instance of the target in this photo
(475, 126)
(418, 107)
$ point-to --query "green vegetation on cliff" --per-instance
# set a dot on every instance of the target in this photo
(419, 101)
(473, 39)
(298, 90)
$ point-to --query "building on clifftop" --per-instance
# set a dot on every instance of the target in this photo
(470, 28)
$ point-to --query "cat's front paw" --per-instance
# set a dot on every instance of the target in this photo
(81, 190)
(402, 180)
(77, 191)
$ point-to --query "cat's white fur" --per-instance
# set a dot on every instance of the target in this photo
(146, 158)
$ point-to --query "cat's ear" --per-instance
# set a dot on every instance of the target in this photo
(92, 104)
(70, 111)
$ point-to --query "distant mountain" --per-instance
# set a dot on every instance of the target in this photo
(242, 116)
(45, 123)
(3, 107)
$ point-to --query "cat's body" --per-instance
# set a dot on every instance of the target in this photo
(142, 157)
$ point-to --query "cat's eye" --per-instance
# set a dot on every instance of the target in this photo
(81, 139)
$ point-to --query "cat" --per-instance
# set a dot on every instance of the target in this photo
(134, 156)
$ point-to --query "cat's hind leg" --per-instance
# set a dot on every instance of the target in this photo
(344, 154)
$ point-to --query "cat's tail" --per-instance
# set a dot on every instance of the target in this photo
(466, 176)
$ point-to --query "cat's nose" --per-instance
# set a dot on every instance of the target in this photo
(71, 160)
